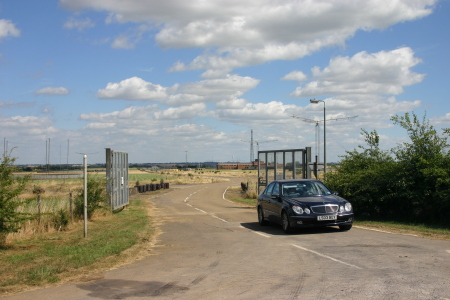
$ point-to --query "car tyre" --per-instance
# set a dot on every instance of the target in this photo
(345, 227)
(261, 219)
(285, 223)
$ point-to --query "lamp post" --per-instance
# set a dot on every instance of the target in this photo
(315, 101)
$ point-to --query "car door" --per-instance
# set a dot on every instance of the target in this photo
(275, 203)
(264, 200)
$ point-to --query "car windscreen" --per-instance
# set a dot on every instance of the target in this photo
(304, 189)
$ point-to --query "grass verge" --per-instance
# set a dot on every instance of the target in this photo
(63, 256)
(236, 195)
(423, 230)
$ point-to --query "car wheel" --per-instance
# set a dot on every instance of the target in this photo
(261, 219)
(285, 223)
(345, 227)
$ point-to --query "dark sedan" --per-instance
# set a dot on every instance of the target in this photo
(303, 203)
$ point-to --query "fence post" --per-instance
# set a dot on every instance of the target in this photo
(39, 208)
(71, 205)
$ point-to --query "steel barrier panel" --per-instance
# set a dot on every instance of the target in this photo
(117, 178)
(283, 164)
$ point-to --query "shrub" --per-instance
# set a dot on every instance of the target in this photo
(10, 187)
(96, 197)
(60, 219)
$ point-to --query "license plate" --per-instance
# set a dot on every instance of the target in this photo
(326, 218)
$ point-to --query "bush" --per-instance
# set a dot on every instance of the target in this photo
(408, 183)
(96, 197)
(10, 187)
(60, 219)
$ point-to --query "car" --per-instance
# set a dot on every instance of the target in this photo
(300, 203)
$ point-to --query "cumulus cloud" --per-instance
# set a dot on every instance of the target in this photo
(133, 88)
(251, 113)
(7, 28)
(79, 24)
(252, 32)
(208, 90)
(229, 87)
(52, 91)
(295, 76)
(180, 113)
(381, 73)
(130, 113)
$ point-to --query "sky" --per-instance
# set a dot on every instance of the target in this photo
(176, 80)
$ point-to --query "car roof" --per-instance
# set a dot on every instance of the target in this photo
(296, 180)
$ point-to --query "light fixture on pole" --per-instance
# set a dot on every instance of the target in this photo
(315, 101)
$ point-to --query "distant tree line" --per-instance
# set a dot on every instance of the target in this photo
(410, 182)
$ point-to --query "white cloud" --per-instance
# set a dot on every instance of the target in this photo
(264, 114)
(79, 24)
(130, 113)
(213, 90)
(252, 32)
(181, 113)
(133, 88)
(208, 90)
(295, 76)
(233, 104)
(7, 28)
(52, 91)
(381, 73)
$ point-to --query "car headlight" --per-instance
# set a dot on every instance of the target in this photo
(307, 211)
(348, 206)
(297, 209)
(341, 208)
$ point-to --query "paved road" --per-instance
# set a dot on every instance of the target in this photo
(214, 249)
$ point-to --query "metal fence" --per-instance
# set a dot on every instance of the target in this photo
(283, 164)
(117, 178)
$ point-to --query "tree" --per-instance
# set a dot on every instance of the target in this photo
(424, 169)
(10, 188)
(410, 182)
(358, 179)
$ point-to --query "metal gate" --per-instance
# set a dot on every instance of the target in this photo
(283, 164)
(117, 178)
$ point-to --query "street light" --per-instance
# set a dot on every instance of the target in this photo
(315, 101)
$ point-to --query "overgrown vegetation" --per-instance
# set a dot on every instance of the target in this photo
(408, 183)
(51, 257)
(10, 187)
(96, 197)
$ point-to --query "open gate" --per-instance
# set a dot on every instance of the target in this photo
(283, 164)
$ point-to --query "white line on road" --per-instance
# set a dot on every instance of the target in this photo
(223, 195)
(262, 234)
(200, 210)
(383, 231)
(326, 256)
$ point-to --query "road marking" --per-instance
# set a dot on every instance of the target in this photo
(223, 195)
(448, 251)
(384, 231)
(218, 218)
(326, 256)
(200, 210)
(262, 234)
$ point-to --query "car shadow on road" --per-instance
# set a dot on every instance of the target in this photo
(275, 229)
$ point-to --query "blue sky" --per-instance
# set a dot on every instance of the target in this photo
(157, 79)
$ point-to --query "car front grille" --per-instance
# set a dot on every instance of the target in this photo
(325, 209)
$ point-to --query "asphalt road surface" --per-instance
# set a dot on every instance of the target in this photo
(211, 248)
